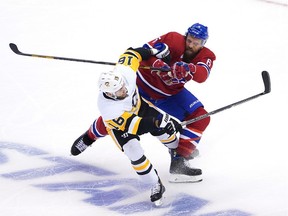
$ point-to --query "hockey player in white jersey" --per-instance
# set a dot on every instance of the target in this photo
(126, 116)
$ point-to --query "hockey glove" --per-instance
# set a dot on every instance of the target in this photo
(170, 125)
(160, 50)
(162, 120)
(182, 70)
(164, 75)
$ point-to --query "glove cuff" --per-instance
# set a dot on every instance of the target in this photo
(192, 68)
(162, 120)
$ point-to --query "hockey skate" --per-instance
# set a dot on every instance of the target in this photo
(157, 193)
(81, 144)
(180, 170)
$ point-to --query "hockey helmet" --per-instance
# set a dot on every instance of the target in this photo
(199, 31)
(110, 81)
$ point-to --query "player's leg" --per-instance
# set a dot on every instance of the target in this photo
(179, 168)
(130, 145)
(181, 106)
(192, 133)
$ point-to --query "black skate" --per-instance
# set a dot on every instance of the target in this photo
(81, 144)
(180, 170)
(157, 193)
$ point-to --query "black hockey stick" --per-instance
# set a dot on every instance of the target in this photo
(15, 49)
(267, 89)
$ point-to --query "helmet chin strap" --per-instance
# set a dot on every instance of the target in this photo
(111, 95)
(114, 96)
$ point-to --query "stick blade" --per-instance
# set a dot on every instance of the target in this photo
(267, 82)
(14, 48)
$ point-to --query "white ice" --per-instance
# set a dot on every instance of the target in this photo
(46, 104)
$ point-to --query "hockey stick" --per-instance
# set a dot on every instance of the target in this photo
(267, 89)
(15, 49)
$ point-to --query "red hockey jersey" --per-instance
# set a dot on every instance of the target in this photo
(152, 84)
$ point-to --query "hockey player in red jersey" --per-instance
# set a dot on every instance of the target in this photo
(187, 59)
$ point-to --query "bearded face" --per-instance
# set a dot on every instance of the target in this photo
(192, 47)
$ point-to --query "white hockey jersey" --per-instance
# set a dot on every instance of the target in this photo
(115, 113)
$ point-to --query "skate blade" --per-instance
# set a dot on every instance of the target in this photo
(159, 202)
(178, 178)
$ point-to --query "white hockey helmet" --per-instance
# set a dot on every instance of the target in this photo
(110, 81)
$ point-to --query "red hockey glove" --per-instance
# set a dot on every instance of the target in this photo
(181, 70)
(164, 75)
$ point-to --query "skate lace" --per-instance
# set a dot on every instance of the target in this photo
(81, 146)
(186, 162)
(156, 189)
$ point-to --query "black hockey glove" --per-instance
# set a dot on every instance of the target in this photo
(172, 127)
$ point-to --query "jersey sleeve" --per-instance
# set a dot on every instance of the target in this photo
(132, 57)
(204, 63)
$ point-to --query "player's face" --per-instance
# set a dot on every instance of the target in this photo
(122, 92)
(193, 45)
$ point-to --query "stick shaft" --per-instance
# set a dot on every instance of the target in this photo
(267, 89)
(15, 49)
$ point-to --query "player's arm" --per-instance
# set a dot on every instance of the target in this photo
(167, 46)
(204, 66)
(133, 56)
(198, 71)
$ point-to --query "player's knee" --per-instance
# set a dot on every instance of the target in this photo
(202, 124)
(133, 150)
(170, 141)
(101, 126)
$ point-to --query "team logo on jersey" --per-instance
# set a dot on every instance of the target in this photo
(125, 135)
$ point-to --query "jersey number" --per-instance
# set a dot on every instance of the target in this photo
(119, 121)
(126, 60)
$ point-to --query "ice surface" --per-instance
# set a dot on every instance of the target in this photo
(46, 104)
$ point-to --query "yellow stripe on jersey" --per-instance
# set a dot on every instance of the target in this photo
(134, 125)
